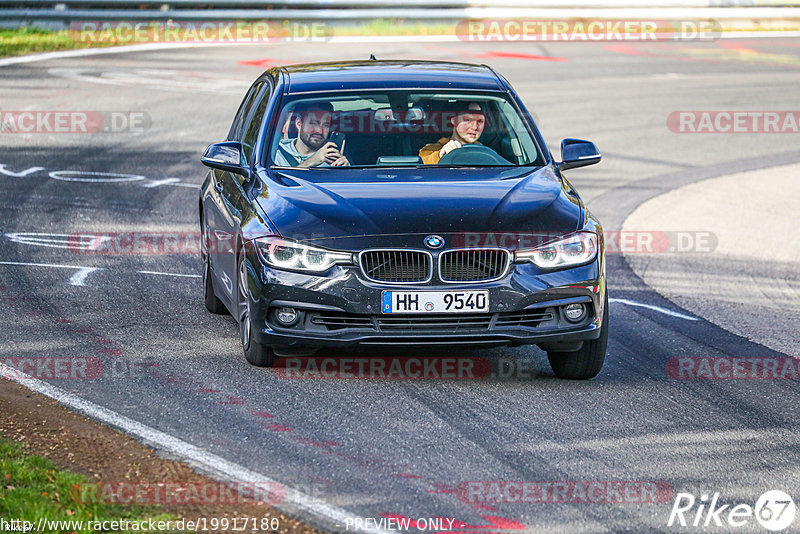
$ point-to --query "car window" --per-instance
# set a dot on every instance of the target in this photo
(253, 127)
(235, 133)
(401, 128)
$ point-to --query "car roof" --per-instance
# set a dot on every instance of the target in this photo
(375, 74)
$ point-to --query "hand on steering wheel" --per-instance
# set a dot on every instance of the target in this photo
(450, 145)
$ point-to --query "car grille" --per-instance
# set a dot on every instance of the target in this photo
(396, 266)
(445, 322)
(449, 322)
(472, 265)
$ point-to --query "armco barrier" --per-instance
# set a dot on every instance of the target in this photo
(17, 12)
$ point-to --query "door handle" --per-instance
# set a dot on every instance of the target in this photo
(218, 186)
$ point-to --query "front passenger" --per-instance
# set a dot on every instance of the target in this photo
(309, 148)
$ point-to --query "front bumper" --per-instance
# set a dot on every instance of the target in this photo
(343, 309)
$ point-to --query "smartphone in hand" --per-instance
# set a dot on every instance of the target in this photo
(338, 139)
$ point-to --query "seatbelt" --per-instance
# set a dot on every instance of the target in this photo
(289, 156)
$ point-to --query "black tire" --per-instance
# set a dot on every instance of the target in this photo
(255, 353)
(586, 362)
(213, 304)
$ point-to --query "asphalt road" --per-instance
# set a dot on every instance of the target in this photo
(400, 447)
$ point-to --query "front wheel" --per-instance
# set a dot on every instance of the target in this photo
(254, 352)
(586, 362)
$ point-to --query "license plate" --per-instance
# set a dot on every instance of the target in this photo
(435, 301)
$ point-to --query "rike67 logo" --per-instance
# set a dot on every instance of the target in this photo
(774, 510)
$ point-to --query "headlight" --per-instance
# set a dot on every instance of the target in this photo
(290, 255)
(576, 249)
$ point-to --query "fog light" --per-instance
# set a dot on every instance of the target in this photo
(574, 312)
(286, 316)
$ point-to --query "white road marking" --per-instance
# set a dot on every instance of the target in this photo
(27, 264)
(216, 466)
(20, 174)
(171, 274)
(105, 177)
(96, 52)
(156, 183)
(90, 176)
(67, 241)
(42, 240)
(169, 181)
(79, 278)
(655, 308)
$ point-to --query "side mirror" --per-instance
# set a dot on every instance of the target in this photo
(578, 153)
(227, 156)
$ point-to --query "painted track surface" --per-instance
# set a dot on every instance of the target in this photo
(399, 447)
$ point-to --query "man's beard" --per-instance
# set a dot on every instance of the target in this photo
(311, 143)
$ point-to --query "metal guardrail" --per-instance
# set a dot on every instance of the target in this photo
(66, 11)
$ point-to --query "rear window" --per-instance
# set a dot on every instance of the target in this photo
(396, 129)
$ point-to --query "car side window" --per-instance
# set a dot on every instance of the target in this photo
(254, 125)
(523, 148)
(236, 132)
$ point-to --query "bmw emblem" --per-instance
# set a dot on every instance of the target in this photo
(434, 241)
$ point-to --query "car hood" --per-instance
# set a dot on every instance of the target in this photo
(399, 207)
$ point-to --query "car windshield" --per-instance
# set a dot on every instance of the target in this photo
(393, 129)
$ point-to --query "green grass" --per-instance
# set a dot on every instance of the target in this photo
(32, 487)
(30, 40)
(378, 27)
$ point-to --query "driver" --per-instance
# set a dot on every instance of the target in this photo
(467, 125)
(309, 148)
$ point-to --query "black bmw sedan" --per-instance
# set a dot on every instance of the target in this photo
(400, 203)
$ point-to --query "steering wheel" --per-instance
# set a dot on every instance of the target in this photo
(473, 155)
